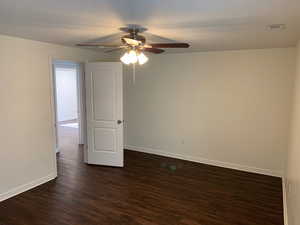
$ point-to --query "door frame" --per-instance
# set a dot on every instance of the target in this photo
(80, 97)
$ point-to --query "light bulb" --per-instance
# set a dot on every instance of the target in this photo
(142, 58)
(132, 57)
(125, 59)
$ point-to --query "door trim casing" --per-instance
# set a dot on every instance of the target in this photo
(81, 102)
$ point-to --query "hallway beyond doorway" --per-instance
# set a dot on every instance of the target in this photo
(68, 135)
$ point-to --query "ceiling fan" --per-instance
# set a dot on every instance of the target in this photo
(135, 45)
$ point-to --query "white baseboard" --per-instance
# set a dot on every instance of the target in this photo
(26, 187)
(205, 161)
(284, 197)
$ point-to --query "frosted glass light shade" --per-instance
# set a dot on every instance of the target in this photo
(132, 57)
(142, 58)
(125, 59)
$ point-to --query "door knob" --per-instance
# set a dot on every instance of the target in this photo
(119, 121)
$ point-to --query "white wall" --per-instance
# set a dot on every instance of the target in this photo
(293, 160)
(228, 108)
(26, 155)
(66, 92)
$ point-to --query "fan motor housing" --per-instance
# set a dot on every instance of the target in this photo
(134, 36)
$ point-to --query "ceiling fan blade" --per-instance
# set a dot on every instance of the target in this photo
(114, 50)
(169, 45)
(158, 39)
(154, 50)
(99, 45)
(131, 41)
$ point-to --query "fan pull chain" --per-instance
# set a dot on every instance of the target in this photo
(133, 73)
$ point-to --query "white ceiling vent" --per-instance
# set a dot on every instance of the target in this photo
(276, 27)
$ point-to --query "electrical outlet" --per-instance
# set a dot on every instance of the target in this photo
(290, 187)
(182, 141)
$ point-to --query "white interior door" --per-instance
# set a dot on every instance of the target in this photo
(104, 103)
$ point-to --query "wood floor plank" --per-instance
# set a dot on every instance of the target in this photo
(149, 190)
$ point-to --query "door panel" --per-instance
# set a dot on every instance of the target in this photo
(105, 139)
(104, 108)
(104, 91)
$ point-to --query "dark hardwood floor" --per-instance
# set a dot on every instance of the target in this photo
(149, 190)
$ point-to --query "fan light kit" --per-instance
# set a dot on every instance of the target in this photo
(135, 45)
(133, 57)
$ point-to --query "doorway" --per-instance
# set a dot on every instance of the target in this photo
(95, 133)
(68, 117)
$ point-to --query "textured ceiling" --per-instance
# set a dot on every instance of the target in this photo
(205, 24)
